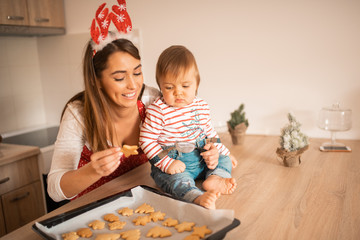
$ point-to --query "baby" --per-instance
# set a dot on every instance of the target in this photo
(177, 134)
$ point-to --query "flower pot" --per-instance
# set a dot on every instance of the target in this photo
(290, 159)
(238, 133)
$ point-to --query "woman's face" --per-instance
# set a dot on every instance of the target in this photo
(122, 80)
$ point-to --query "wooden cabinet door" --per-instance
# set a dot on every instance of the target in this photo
(23, 205)
(13, 12)
(2, 222)
(17, 174)
(46, 13)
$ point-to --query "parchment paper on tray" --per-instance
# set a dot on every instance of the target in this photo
(219, 220)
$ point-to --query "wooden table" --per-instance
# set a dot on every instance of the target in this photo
(320, 199)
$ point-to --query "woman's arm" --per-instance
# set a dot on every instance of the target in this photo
(65, 180)
(68, 148)
(149, 95)
(102, 164)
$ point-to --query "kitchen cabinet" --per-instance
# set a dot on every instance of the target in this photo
(14, 12)
(32, 17)
(2, 222)
(22, 206)
(46, 13)
(20, 187)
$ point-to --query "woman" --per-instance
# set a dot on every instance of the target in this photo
(97, 122)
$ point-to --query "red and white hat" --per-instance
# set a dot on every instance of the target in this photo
(100, 25)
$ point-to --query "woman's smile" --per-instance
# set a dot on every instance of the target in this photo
(130, 95)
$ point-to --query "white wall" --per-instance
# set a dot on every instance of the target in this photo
(274, 56)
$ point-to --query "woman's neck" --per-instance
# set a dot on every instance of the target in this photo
(126, 122)
(123, 113)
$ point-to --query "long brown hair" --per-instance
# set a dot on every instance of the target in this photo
(97, 112)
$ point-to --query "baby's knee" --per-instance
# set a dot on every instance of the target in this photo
(225, 163)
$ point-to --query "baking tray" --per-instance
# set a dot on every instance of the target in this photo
(221, 221)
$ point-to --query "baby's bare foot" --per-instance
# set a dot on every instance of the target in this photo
(207, 200)
(219, 184)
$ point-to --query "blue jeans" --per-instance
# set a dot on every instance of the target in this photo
(182, 185)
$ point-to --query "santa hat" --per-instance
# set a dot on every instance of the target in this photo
(100, 25)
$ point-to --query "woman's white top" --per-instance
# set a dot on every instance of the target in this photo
(71, 140)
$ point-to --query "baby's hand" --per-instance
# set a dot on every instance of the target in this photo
(211, 155)
(176, 166)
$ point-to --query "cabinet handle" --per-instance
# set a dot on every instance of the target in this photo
(20, 197)
(40, 20)
(15, 18)
(4, 180)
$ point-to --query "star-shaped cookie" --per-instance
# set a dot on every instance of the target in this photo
(184, 226)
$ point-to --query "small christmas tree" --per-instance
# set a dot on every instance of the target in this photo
(237, 117)
(237, 125)
(293, 143)
(292, 139)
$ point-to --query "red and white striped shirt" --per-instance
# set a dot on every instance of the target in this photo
(164, 125)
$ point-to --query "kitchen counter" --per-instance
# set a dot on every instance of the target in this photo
(317, 200)
(21, 192)
(11, 152)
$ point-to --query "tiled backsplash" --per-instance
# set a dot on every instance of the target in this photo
(37, 77)
(21, 94)
(60, 60)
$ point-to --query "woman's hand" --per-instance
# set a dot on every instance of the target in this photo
(102, 164)
(176, 166)
(211, 155)
(107, 161)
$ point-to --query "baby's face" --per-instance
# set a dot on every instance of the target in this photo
(179, 91)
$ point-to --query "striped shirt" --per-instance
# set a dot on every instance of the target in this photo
(164, 125)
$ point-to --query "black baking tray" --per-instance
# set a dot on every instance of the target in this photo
(53, 221)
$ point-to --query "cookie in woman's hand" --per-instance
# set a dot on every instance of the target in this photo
(129, 150)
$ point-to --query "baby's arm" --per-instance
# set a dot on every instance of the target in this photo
(149, 134)
(212, 150)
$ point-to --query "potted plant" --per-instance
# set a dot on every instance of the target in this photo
(237, 125)
(293, 143)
